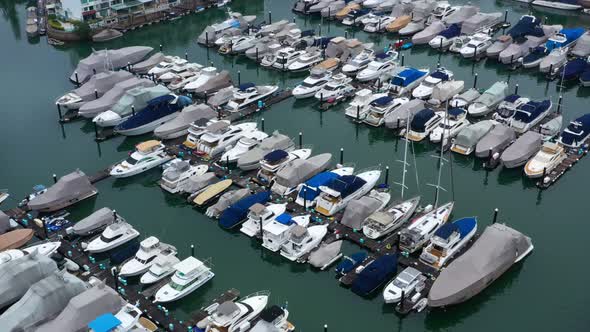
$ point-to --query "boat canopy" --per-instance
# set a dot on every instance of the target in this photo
(573, 68)
(531, 110)
(325, 254)
(346, 185)
(569, 34)
(176, 168)
(470, 135)
(375, 274)
(300, 170)
(527, 25)
(382, 101)
(69, 185)
(358, 210)
(407, 76)
(350, 262)
(511, 98)
(577, 130)
(382, 55)
(441, 75)
(239, 210)
(312, 185)
(454, 30)
(246, 86)
(276, 155)
(96, 220)
(462, 226)
(420, 119)
(285, 219)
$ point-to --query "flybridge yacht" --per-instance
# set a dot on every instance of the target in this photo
(196, 129)
(248, 94)
(149, 249)
(384, 63)
(206, 75)
(249, 141)
(285, 57)
(336, 194)
(175, 177)
(338, 87)
(447, 241)
(359, 106)
(359, 62)
(424, 90)
(162, 267)
(258, 213)
(220, 135)
(550, 155)
(113, 236)
(147, 155)
(190, 274)
(278, 231)
(422, 228)
(380, 108)
(391, 218)
(313, 83)
(235, 316)
(276, 160)
(303, 240)
(308, 59)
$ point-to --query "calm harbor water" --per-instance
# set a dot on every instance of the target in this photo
(546, 293)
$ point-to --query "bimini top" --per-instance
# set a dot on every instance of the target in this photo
(311, 186)
(441, 75)
(246, 86)
(531, 110)
(382, 101)
(576, 131)
(455, 112)
(407, 76)
(285, 219)
(346, 184)
(462, 226)
(527, 25)
(238, 211)
(511, 98)
(420, 119)
(454, 30)
(375, 274)
(276, 155)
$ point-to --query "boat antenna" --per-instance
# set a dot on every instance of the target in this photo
(404, 162)
(441, 158)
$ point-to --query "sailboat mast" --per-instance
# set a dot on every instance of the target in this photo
(441, 156)
(405, 156)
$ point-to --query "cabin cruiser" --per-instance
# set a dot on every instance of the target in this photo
(101, 60)
(220, 135)
(477, 46)
(272, 28)
(422, 228)
(523, 149)
(165, 66)
(498, 45)
(149, 249)
(251, 160)
(198, 128)
(522, 46)
(423, 123)
(206, 74)
(405, 113)
(19, 274)
(447, 241)
(358, 210)
(426, 35)
(298, 171)
(333, 8)
(133, 101)
(105, 102)
(214, 31)
(197, 183)
(308, 59)
(242, 44)
(507, 108)
(44, 249)
(285, 57)
(113, 236)
(355, 16)
(453, 122)
(358, 62)
(146, 156)
(269, 59)
(235, 316)
(489, 100)
(278, 231)
(405, 283)
(376, 273)
(317, 79)
(179, 126)
(212, 85)
(496, 250)
(381, 107)
(161, 267)
(261, 48)
(391, 218)
(191, 273)
(384, 63)
(96, 86)
(495, 141)
(159, 111)
(180, 70)
(467, 139)
(549, 157)
(445, 38)
(406, 80)
(303, 240)
(556, 59)
(424, 90)
(248, 142)
(338, 87)
(444, 91)
(359, 106)
(260, 215)
(308, 192)
(249, 94)
(336, 194)
(69, 189)
(226, 200)
(576, 133)
(276, 160)
(529, 115)
(325, 254)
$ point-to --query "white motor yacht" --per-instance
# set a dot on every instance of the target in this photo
(380, 108)
(421, 229)
(424, 90)
(162, 267)
(452, 123)
(313, 83)
(270, 57)
(407, 80)
(405, 282)
(382, 223)
(243, 43)
(197, 129)
(303, 240)
(249, 94)
(176, 176)
(276, 160)
(191, 273)
(44, 249)
(258, 214)
(359, 106)
(149, 249)
(308, 192)
(235, 316)
(220, 135)
(113, 236)
(206, 74)
(180, 71)
(165, 66)
(308, 59)
(478, 45)
(338, 87)
(550, 155)
(336, 194)
(377, 23)
(285, 57)
(358, 62)
(249, 141)
(423, 123)
(384, 63)
(277, 232)
(447, 241)
(147, 155)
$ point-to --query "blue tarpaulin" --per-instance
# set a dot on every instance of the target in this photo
(419, 121)
(104, 323)
(276, 155)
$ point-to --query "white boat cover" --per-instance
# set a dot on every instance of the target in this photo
(84, 308)
(226, 200)
(447, 90)
(97, 220)
(552, 127)
(358, 210)
(582, 47)
(214, 84)
(397, 119)
(461, 15)
(325, 254)
(187, 116)
(68, 187)
(44, 300)
(495, 140)
(299, 170)
(16, 276)
(196, 183)
(480, 21)
(274, 142)
(494, 252)
(144, 66)
(470, 135)
(176, 168)
(4, 223)
(523, 148)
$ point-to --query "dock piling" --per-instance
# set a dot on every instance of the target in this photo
(262, 124)
(305, 198)
(54, 178)
(341, 156)
(401, 300)
(207, 39)
(505, 16)
(300, 140)
(559, 104)
(516, 89)
(193, 250)
(161, 47)
(319, 30)
(95, 130)
(227, 163)
(95, 94)
(257, 54)
(475, 81)
(115, 274)
(260, 224)
(386, 174)
(269, 17)
(325, 327)
(403, 58)
(495, 216)
(45, 228)
(239, 78)
(59, 112)
(77, 80)
(358, 113)
(475, 53)
(133, 109)
(94, 71)
(186, 56)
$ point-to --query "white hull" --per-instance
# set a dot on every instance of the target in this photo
(97, 245)
(317, 233)
(148, 127)
(137, 170)
(161, 297)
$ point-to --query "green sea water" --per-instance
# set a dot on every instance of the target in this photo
(548, 292)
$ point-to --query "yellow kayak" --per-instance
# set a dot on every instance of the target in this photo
(212, 191)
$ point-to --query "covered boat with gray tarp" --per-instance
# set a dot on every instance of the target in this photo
(221, 97)
(582, 47)
(225, 201)
(467, 139)
(325, 255)
(44, 300)
(105, 102)
(497, 249)
(299, 171)
(461, 15)
(480, 22)
(495, 141)
(97, 86)
(397, 119)
(98, 220)
(214, 31)
(358, 210)
(16, 276)
(199, 182)
(68, 190)
(144, 66)
(5, 224)
(523, 149)
(277, 141)
(179, 125)
(84, 308)
(103, 60)
(222, 80)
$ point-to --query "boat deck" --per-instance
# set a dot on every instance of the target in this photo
(573, 156)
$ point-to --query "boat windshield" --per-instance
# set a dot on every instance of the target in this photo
(399, 283)
(374, 66)
(107, 240)
(177, 287)
(331, 87)
(131, 160)
(311, 85)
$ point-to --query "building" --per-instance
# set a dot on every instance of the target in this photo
(84, 10)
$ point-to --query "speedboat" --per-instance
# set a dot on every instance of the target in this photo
(462, 14)
(221, 135)
(225, 201)
(447, 241)
(556, 59)
(358, 62)
(426, 35)
(243, 43)
(489, 100)
(43, 249)
(191, 273)
(336, 194)
(161, 267)
(146, 156)
(467, 139)
(277, 232)
(523, 45)
(149, 250)
(260, 215)
(355, 16)
(113, 236)
(453, 122)
(69, 189)
(377, 23)
(180, 70)
(384, 63)
(312, 84)
(529, 115)
(495, 141)
(235, 316)
(523, 149)
(416, 25)
(576, 133)
(445, 38)
(101, 60)
(276, 160)
(206, 75)
(404, 284)
(422, 228)
(391, 218)
(305, 61)
(465, 99)
(406, 80)
(159, 111)
(246, 143)
(235, 20)
(277, 141)
(497, 249)
(308, 192)
(97, 86)
(359, 106)
(507, 108)
(298, 171)
(337, 88)
(285, 57)
(105, 102)
(424, 90)
(550, 155)
(303, 240)
(558, 4)
(477, 46)
(381, 107)
(237, 212)
(269, 59)
(499, 45)
(249, 94)
(423, 123)
(375, 274)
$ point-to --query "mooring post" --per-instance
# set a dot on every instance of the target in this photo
(256, 54)
(345, 34)
(77, 80)
(94, 71)
(262, 124)
(358, 112)
(239, 78)
(329, 12)
(161, 47)
(319, 30)
(227, 163)
(386, 174)
(341, 156)
(441, 41)
(269, 17)
(475, 81)
(300, 140)
(95, 130)
(559, 104)
(544, 173)
(401, 300)
(115, 274)
(95, 94)
(133, 109)
(475, 53)
(206, 96)
(293, 19)
(54, 178)
(325, 327)
(128, 66)
(45, 228)
(207, 39)
(550, 69)
(59, 112)
(193, 250)
(505, 16)
(516, 89)
(305, 198)
(186, 56)
(403, 58)
(114, 215)
(261, 231)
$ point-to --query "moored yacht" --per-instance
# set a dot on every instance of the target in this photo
(147, 155)
(507, 108)
(285, 57)
(406, 80)
(423, 123)
(576, 133)
(303, 240)
(436, 78)
(447, 241)
(113, 236)
(313, 83)
(422, 228)
(191, 273)
(298, 171)
(381, 107)
(162, 267)
(277, 232)
(219, 135)
(529, 115)
(205, 76)
(338, 87)
(391, 218)
(248, 94)
(550, 155)
(260, 215)
(101, 83)
(308, 59)
(276, 160)
(489, 100)
(308, 192)
(359, 62)
(248, 142)
(477, 46)
(383, 63)
(452, 123)
(359, 106)
(235, 316)
(405, 283)
(149, 249)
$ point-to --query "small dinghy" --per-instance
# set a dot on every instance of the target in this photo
(325, 255)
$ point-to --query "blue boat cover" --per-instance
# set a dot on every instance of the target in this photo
(382, 55)
(407, 76)
(346, 184)
(511, 98)
(536, 54)
(573, 69)
(276, 155)
(571, 35)
(456, 111)
(38, 187)
(246, 86)
(350, 262)
(375, 274)
(418, 123)
(311, 186)
(157, 108)
(382, 101)
(462, 226)
(322, 41)
(104, 323)
(454, 30)
(307, 33)
(285, 219)
(441, 75)
(531, 110)
(527, 25)
(358, 12)
(577, 130)
(237, 212)
(235, 24)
